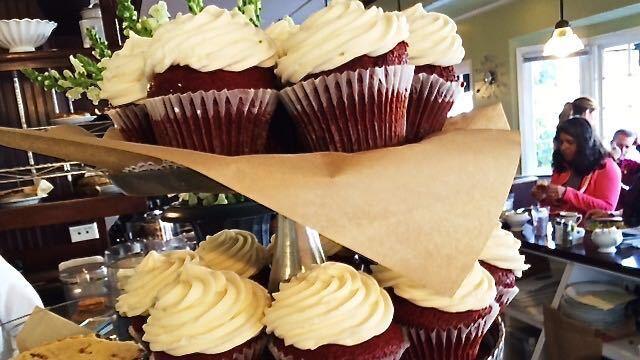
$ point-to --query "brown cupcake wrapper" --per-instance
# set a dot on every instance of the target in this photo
(228, 122)
(281, 356)
(461, 343)
(430, 100)
(253, 351)
(352, 111)
(506, 295)
(133, 122)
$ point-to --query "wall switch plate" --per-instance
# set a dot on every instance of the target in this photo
(84, 232)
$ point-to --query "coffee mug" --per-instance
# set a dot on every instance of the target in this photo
(573, 216)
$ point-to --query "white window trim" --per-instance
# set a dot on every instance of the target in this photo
(591, 85)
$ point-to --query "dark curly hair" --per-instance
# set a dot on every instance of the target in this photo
(590, 154)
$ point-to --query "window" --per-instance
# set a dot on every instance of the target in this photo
(608, 70)
(620, 80)
(464, 99)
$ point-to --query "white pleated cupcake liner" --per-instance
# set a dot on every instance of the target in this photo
(430, 100)
(506, 295)
(133, 122)
(352, 111)
(461, 343)
(227, 122)
(280, 356)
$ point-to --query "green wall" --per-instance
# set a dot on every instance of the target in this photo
(501, 31)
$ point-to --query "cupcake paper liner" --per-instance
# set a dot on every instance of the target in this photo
(461, 343)
(430, 100)
(280, 356)
(252, 351)
(228, 122)
(133, 122)
(352, 111)
(506, 295)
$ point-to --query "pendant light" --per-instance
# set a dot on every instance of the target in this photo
(564, 41)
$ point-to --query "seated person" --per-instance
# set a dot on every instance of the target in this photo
(584, 176)
(623, 146)
(17, 298)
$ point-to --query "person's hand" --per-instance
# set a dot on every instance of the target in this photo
(539, 192)
(597, 213)
(555, 192)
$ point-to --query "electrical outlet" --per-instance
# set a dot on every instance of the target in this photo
(84, 232)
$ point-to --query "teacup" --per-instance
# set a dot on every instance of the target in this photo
(607, 239)
(516, 220)
(573, 216)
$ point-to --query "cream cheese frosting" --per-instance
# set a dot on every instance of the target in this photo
(433, 39)
(154, 273)
(234, 250)
(124, 78)
(206, 311)
(280, 31)
(338, 34)
(476, 292)
(331, 303)
(214, 39)
(502, 250)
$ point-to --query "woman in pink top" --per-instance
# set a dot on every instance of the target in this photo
(584, 175)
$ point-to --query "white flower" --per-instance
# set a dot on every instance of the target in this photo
(55, 74)
(250, 13)
(77, 66)
(67, 74)
(75, 93)
(159, 12)
(93, 93)
(222, 200)
(65, 83)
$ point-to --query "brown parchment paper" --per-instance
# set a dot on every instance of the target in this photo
(425, 210)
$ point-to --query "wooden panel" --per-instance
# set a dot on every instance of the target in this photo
(19, 9)
(69, 211)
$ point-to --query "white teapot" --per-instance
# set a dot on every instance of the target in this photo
(607, 239)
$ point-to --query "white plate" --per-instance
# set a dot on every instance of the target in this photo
(73, 119)
(15, 202)
(631, 231)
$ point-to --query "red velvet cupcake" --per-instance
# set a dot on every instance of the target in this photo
(434, 47)
(211, 83)
(348, 78)
(238, 251)
(440, 327)
(208, 315)
(139, 293)
(333, 311)
(124, 84)
(502, 258)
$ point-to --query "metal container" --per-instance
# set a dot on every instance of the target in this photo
(86, 280)
(297, 247)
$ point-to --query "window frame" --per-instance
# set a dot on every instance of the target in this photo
(590, 81)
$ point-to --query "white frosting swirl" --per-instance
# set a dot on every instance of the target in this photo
(477, 291)
(154, 273)
(502, 250)
(234, 250)
(212, 40)
(433, 39)
(124, 79)
(206, 312)
(331, 303)
(338, 34)
(280, 31)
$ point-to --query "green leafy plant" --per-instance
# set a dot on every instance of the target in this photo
(99, 45)
(145, 26)
(87, 72)
(195, 6)
(251, 9)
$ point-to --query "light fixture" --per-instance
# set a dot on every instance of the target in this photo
(564, 41)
